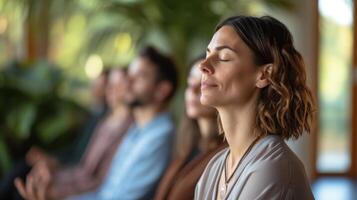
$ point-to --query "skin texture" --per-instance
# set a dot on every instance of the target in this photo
(98, 88)
(145, 94)
(229, 72)
(116, 89)
(194, 108)
(205, 115)
(142, 77)
(231, 82)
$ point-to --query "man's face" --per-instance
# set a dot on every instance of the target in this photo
(143, 82)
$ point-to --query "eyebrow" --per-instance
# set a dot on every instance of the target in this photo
(222, 47)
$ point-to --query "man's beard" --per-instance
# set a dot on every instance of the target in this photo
(138, 101)
(134, 103)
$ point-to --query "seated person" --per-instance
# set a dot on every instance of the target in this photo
(69, 155)
(58, 182)
(197, 142)
(145, 151)
(74, 153)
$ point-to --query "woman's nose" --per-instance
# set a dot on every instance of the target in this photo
(206, 66)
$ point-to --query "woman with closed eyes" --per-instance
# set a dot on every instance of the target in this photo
(256, 80)
(197, 142)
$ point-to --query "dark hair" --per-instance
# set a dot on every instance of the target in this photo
(105, 73)
(286, 106)
(165, 68)
(123, 68)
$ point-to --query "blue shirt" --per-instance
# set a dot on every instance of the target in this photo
(139, 162)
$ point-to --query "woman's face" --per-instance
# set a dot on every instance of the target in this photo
(229, 74)
(98, 88)
(194, 108)
(116, 88)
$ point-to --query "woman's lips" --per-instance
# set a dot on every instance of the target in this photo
(207, 85)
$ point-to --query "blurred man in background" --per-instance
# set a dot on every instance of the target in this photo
(145, 151)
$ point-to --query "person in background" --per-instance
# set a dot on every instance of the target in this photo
(197, 142)
(58, 182)
(256, 79)
(143, 155)
(73, 153)
(68, 155)
(146, 150)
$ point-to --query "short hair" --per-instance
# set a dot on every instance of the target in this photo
(121, 68)
(286, 106)
(165, 67)
(105, 72)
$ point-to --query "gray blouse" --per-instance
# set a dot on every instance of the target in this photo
(269, 171)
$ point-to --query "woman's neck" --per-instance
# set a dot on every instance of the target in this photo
(238, 126)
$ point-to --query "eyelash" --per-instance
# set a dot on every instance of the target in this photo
(218, 59)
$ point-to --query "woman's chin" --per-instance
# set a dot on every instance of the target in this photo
(208, 101)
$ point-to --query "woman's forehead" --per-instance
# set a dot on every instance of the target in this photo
(226, 36)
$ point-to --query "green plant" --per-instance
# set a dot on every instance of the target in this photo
(34, 111)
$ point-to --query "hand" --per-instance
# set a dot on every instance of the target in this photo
(37, 183)
(36, 155)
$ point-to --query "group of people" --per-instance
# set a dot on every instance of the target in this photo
(243, 99)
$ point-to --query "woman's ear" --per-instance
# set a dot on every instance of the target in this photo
(163, 91)
(264, 75)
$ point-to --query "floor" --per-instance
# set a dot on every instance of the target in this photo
(335, 188)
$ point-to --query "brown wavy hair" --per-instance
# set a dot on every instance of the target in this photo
(286, 106)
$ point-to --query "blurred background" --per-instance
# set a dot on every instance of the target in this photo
(51, 50)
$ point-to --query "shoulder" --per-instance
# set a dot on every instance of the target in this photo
(161, 125)
(274, 167)
(159, 130)
(274, 160)
(273, 149)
